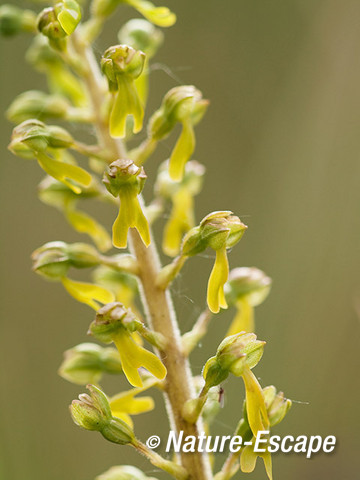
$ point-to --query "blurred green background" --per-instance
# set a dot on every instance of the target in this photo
(281, 145)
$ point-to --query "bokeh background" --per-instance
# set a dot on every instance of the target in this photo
(281, 145)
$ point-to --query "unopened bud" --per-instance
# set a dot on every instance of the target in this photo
(238, 350)
(141, 35)
(36, 104)
(178, 105)
(54, 259)
(14, 20)
(247, 282)
(91, 412)
(86, 363)
(35, 136)
(277, 405)
(222, 228)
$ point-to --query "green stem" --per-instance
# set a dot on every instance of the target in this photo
(157, 302)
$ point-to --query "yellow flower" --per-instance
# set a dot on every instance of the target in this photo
(244, 318)
(180, 221)
(88, 293)
(125, 404)
(125, 180)
(255, 403)
(248, 459)
(277, 407)
(122, 65)
(218, 277)
(181, 195)
(160, 16)
(114, 323)
(186, 106)
(133, 356)
(219, 231)
(246, 288)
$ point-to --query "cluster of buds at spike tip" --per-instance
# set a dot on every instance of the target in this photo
(14, 20)
(53, 261)
(34, 139)
(219, 231)
(238, 354)
(246, 288)
(277, 406)
(57, 22)
(93, 412)
(58, 195)
(87, 362)
(122, 65)
(124, 472)
(142, 35)
(160, 16)
(126, 181)
(181, 195)
(115, 323)
(186, 106)
(60, 79)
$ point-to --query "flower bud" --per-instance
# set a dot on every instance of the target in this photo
(37, 136)
(87, 362)
(51, 260)
(50, 27)
(124, 472)
(276, 404)
(91, 412)
(110, 319)
(36, 104)
(125, 180)
(239, 350)
(14, 20)
(141, 35)
(58, 22)
(247, 282)
(54, 259)
(221, 229)
(32, 138)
